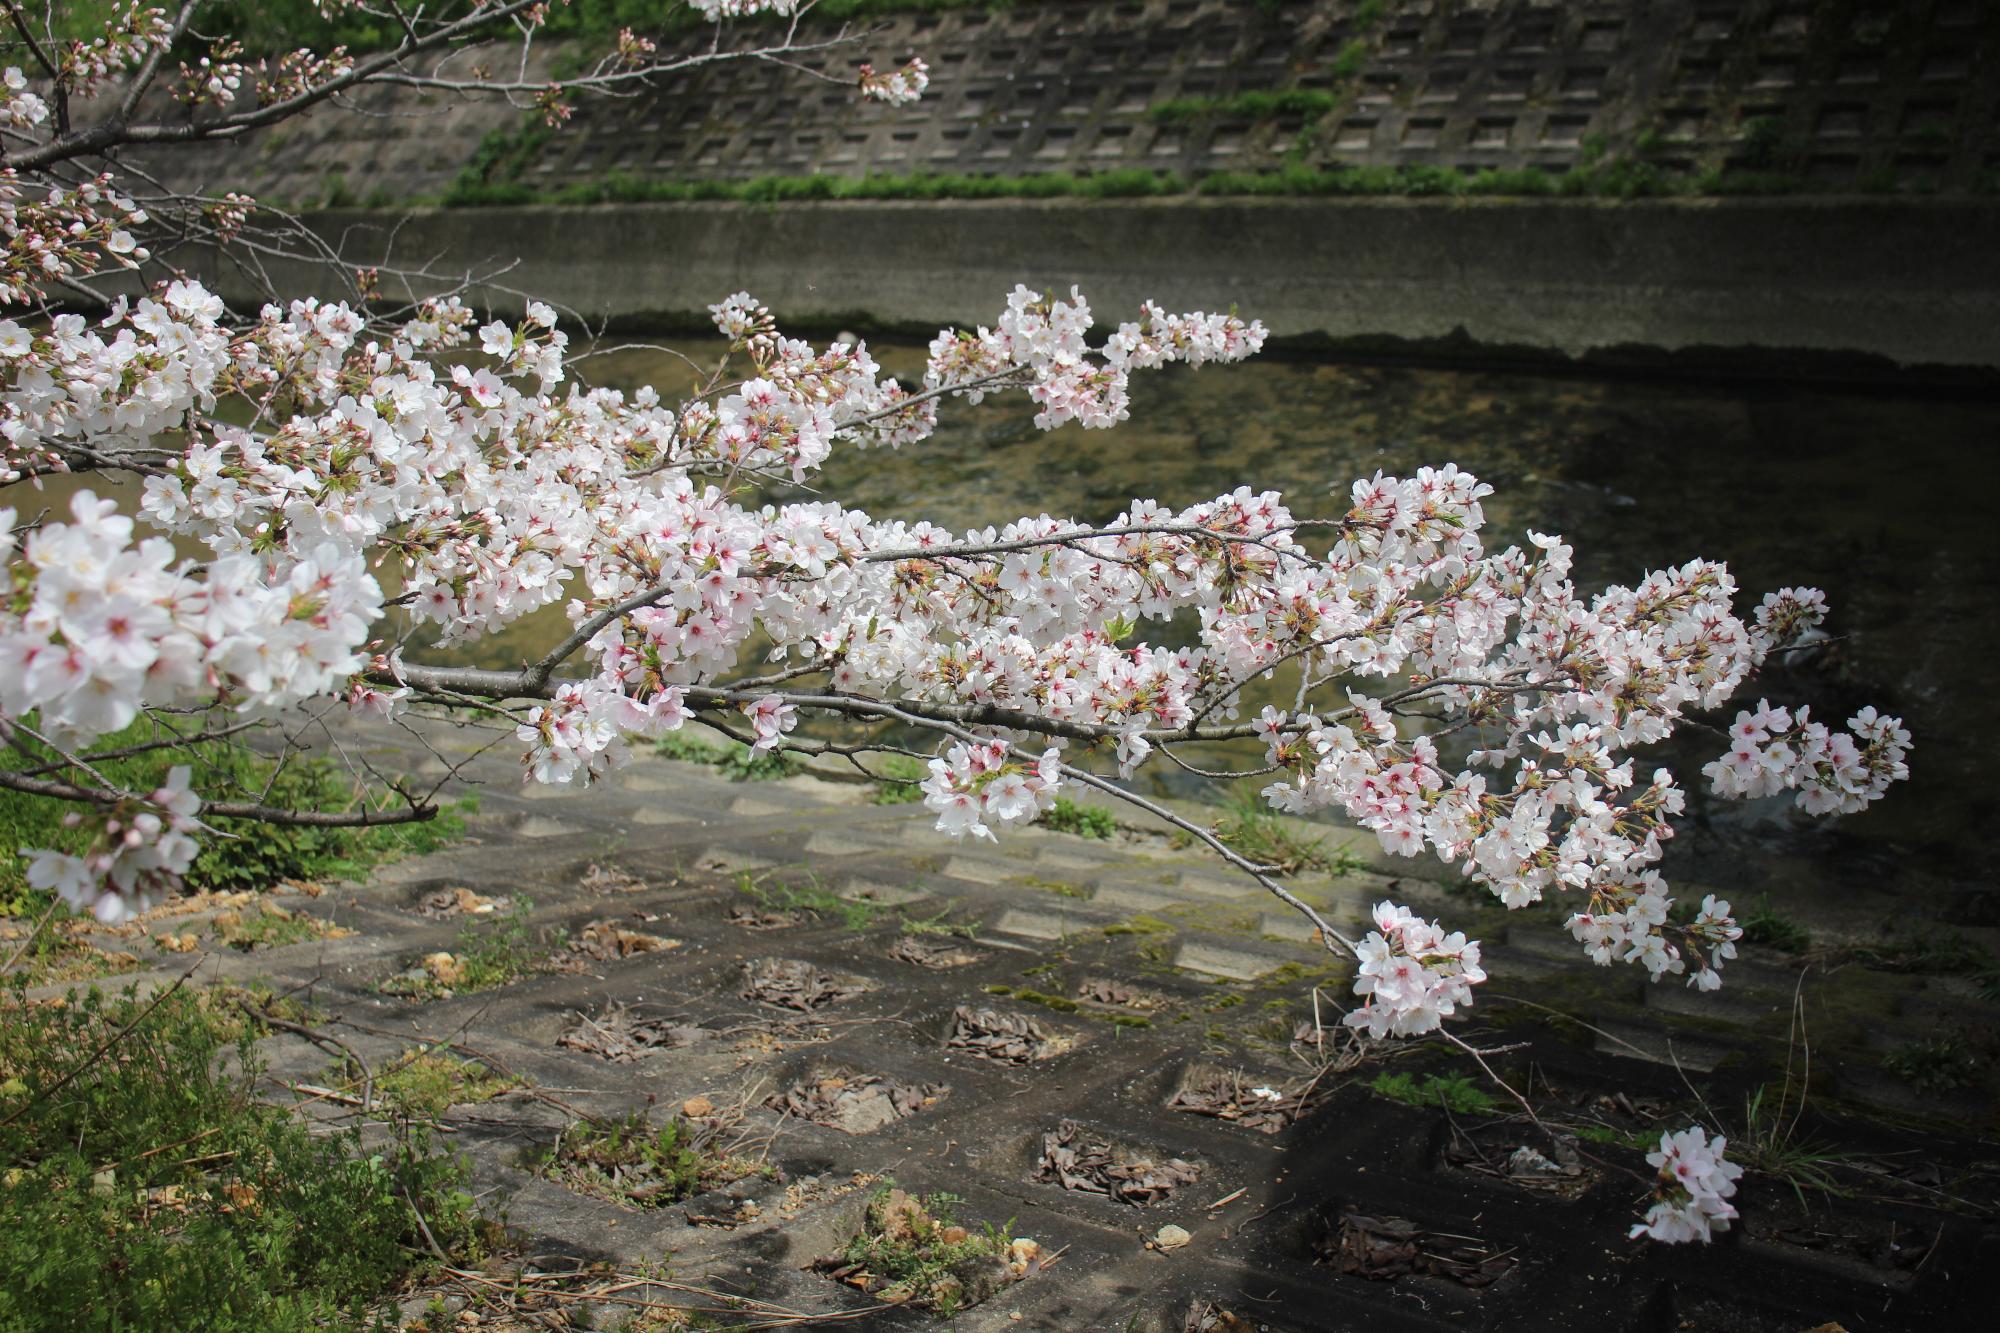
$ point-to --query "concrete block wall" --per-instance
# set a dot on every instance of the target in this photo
(1848, 95)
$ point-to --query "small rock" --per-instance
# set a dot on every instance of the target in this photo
(1171, 1237)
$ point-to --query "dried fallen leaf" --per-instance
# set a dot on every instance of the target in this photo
(855, 1103)
(1077, 1161)
(1008, 1038)
(792, 983)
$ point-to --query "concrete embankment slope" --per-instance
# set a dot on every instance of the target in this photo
(1847, 283)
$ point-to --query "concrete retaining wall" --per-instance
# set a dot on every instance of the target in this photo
(1882, 282)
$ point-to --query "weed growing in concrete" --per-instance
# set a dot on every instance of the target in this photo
(498, 949)
(735, 761)
(637, 1162)
(1770, 1142)
(1768, 928)
(912, 1251)
(1253, 829)
(1085, 821)
(1941, 1064)
(491, 951)
(1310, 103)
(269, 926)
(940, 925)
(1454, 1092)
(777, 895)
(897, 779)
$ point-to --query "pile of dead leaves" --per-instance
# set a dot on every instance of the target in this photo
(1231, 1097)
(1078, 1161)
(603, 879)
(456, 902)
(936, 954)
(793, 983)
(1208, 1317)
(604, 941)
(1386, 1248)
(855, 1103)
(1013, 1039)
(614, 1034)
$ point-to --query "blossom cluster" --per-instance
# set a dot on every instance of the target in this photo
(1412, 976)
(973, 783)
(68, 232)
(124, 42)
(19, 107)
(104, 627)
(1627, 922)
(1775, 749)
(715, 10)
(144, 846)
(1695, 1185)
(896, 87)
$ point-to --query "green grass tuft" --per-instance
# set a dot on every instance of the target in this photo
(1455, 1092)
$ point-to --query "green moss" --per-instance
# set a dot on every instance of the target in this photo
(1056, 886)
(423, 1084)
(1140, 925)
(1055, 1002)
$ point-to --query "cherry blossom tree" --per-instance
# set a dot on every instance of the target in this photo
(1457, 698)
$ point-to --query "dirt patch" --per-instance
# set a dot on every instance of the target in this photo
(936, 954)
(793, 983)
(1013, 1039)
(613, 1033)
(605, 941)
(1230, 1096)
(1078, 1160)
(1550, 1164)
(1386, 1248)
(1892, 1249)
(855, 1103)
